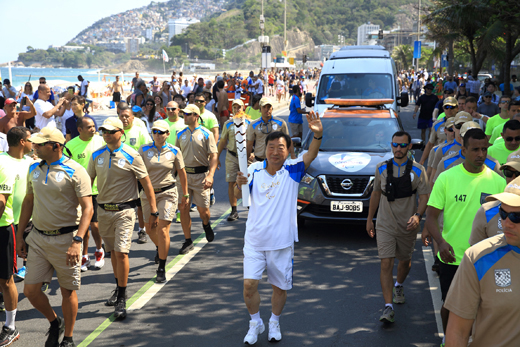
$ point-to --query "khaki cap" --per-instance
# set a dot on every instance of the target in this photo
(451, 101)
(468, 125)
(513, 161)
(510, 196)
(449, 122)
(160, 125)
(112, 123)
(238, 102)
(191, 109)
(462, 117)
(48, 134)
(266, 101)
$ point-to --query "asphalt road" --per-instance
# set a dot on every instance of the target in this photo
(336, 299)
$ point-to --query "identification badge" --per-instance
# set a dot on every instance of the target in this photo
(121, 163)
(59, 176)
(100, 161)
(149, 154)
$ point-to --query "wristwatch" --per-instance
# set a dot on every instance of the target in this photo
(77, 239)
(156, 214)
(186, 196)
(418, 215)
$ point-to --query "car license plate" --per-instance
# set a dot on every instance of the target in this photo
(346, 206)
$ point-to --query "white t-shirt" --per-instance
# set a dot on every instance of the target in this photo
(84, 85)
(42, 107)
(186, 90)
(210, 104)
(4, 147)
(271, 223)
(260, 86)
(66, 115)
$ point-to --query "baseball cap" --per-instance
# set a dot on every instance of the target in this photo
(137, 109)
(160, 125)
(112, 123)
(10, 101)
(449, 122)
(510, 196)
(468, 125)
(449, 91)
(428, 86)
(513, 160)
(6, 81)
(487, 94)
(48, 134)
(451, 101)
(462, 117)
(238, 102)
(265, 101)
(191, 109)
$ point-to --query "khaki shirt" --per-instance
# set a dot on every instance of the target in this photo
(487, 222)
(197, 146)
(486, 288)
(457, 158)
(392, 217)
(116, 173)
(437, 135)
(258, 130)
(56, 188)
(445, 150)
(162, 164)
(228, 133)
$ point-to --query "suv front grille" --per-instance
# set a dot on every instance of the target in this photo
(332, 185)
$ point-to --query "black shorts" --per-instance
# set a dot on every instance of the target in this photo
(95, 205)
(7, 252)
(446, 274)
(116, 97)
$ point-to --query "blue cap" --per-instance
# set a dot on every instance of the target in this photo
(137, 109)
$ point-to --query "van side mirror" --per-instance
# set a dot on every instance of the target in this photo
(403, 100)
(296, 141)
(309, 100)
(417, 144)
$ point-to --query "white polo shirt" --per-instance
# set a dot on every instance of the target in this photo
(271, 224)
(42, 107)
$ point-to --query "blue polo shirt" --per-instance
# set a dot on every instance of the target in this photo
(294, 116)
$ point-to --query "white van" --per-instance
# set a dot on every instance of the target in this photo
(358, 72)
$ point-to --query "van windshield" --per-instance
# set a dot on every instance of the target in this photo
(355, 86)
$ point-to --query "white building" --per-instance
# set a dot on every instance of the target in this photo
(363, 31)
(148, 34)
(113, 46)
(177, 26)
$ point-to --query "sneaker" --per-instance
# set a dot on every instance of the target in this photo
(2, 307)
(212, 199)
(388, 315)
(85, 264)
(178, 220)
(8, 336)
(45, 287)
(193, 208)
(53, 339)
(398, 295)
(255, 329)
(210, 235)
(187, 246)
(67, 344)
(233, 216)
(120, 308)
(161, 276)
(274, 334)
(142, 238)
(112, 300)
(100, 259)
(21, 274)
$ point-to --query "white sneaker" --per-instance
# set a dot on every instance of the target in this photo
(255, 328)
(85, 264)
(100, 259)
(274, 334)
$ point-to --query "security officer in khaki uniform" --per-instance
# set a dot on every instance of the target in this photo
(200, 157)
(163, 161)
(56, 187)
(117, 166)
(487, 222)
(227, 141)
(449, 130)
(258, 130)
(398, 217)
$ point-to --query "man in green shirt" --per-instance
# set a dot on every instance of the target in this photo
(135, 137)
(175, 122)
(511, 135)
(512, 109)
(81, 148)
(253, 110)
(459, 193)
(500, 118)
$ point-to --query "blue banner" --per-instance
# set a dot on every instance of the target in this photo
(417, 49)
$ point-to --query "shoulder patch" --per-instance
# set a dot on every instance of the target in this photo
(98, 152)
(127, 156)
(382, 168)
(33, 166)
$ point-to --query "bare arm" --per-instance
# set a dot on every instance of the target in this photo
(446, 252)
(3, 201)
(150, 195)
(214, 131)
(52, 111)
(26, 115)
(317, 128)
(87, 210)
(249, 148)
(62, 109)
(458, 330)
(221, 145)
(183, 177)
(374, 204)
(25, 216)
(213, 161)
(426, 152)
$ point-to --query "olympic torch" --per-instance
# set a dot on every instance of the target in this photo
(240, 121)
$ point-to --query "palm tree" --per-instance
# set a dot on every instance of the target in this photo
(403, 56)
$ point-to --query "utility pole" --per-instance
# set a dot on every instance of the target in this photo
(285, 27)
(419, 30)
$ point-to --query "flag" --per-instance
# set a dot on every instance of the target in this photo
(165, 56)
(182, 67)
(284, 53)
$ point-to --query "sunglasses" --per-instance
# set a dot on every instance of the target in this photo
(402, 145)
(43, 82)
(188, 114)
(513, 216)
(46, 143)
(109, 132)
(487, 97)
(511, 138)
(511, 173)
(171, 109)
(450, 129)
(200, 101)
(505, 102)
(149, 104)
(449, 107)
(458, 126)
(159, 132)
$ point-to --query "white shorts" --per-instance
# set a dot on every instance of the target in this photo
(279, 266)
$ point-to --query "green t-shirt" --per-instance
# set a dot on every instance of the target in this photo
(460, 194)
(135, 137)
(499, 151)
(493, 122)
(7, 183)
(497, 132)
(21, 168)
(254, 114)
(208, 120)
(82, 150)
(174, 128)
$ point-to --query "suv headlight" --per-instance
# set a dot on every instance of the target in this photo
(307, 179)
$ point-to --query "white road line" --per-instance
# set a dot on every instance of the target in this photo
(435, 287)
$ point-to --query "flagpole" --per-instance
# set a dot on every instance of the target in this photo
(164, 68)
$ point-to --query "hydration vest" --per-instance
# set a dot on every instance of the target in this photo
(398, 187)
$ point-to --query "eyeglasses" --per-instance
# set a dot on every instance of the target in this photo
(171, 109)
(42, 82)
(154, 131)
(200, 101)
(109, 132)
(511, 173)
(487, 97)
(402, 145)
(449, 107)
(505, 102)
(450, 129)
(511, 138)
(458, 126)
(513, 216)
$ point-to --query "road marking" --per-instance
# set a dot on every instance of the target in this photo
(435, 287)
(280, 111)
(147, 292)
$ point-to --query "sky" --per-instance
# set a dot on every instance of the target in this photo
(40, 23)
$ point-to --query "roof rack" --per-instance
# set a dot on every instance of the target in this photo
(378, 103)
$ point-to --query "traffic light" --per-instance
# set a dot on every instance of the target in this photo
(304, 59)
(380, 34)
